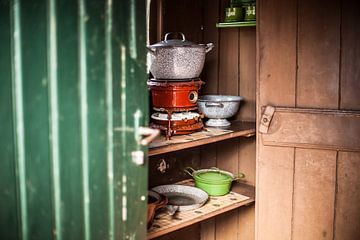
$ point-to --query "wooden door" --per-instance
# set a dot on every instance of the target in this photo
(72, 80)
(308, 163)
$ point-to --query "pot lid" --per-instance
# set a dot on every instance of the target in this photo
(215, 176)
(176, 42)
(175, 116)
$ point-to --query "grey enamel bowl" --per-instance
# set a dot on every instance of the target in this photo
(218, 108)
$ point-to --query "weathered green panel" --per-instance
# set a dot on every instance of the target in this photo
(8, 203)
(71, 73)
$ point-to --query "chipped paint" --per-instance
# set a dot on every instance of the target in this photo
(124, 198)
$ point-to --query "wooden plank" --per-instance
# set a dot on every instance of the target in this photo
(229, 62)
(208, 160)
(350, 56)
(311, 128)
(319, 54)
(314, 191)
(274, 193)
(245, 129)
(246, 225)
(184, 16)
(247, 159)
(211, 34)
(277, 30)
(276, 83)
(247, 71)
(347, 219)
(189, 233)
(227, 159)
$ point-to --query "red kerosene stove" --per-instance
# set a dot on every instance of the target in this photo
(175, 103)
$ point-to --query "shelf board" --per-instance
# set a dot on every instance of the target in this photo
(163, 223)
(236, 24)
(209, 135)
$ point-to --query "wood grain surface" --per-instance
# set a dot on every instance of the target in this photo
(350, 56)
(347, 218)
(318, 54)
(314, 191)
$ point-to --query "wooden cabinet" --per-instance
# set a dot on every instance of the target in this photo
(230, 69)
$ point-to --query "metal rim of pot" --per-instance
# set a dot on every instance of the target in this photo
(220, 98)
(196, 175)
(174, 43)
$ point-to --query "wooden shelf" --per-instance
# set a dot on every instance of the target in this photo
(236, 24)
(163, 223)
(210, 135)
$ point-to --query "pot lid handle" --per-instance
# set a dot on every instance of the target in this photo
(169, 33)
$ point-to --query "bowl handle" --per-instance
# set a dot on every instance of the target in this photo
(214, 104)
(189, 170)
(151, 50)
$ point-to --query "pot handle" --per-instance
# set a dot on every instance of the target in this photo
(162, 203)
(238, 176)
(189, 170)
(214, 104)
(209, 47)
(151, 50)
(169, 33)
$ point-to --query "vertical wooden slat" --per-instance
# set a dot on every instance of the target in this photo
(314, 191)
(54, 116)
(9, 211)
(274, 195)
(211, 35)
(246, 227)
(208, 159)
(69, 120)
(276, 51)
(109, 82)
(319, 51)
(347, 219)
(184, 16)
(247, 73)
(229, 62)
(36, 118)
(227, 159)
(350, 56)
(247, 159)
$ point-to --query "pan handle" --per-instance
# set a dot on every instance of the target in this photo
(162, 203)
(189, 170)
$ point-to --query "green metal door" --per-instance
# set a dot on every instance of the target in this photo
(72, 96)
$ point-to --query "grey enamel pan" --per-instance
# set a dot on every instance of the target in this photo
(181, 197)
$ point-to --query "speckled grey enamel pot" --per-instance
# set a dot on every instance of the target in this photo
(218, 107)
(177, 58)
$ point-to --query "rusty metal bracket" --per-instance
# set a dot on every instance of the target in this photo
(266, 119)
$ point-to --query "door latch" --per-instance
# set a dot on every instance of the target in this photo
(266, 119)
(150, 134)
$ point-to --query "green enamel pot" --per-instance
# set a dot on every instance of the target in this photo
(214, 181)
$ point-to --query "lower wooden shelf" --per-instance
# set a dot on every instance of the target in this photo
(164, 223)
